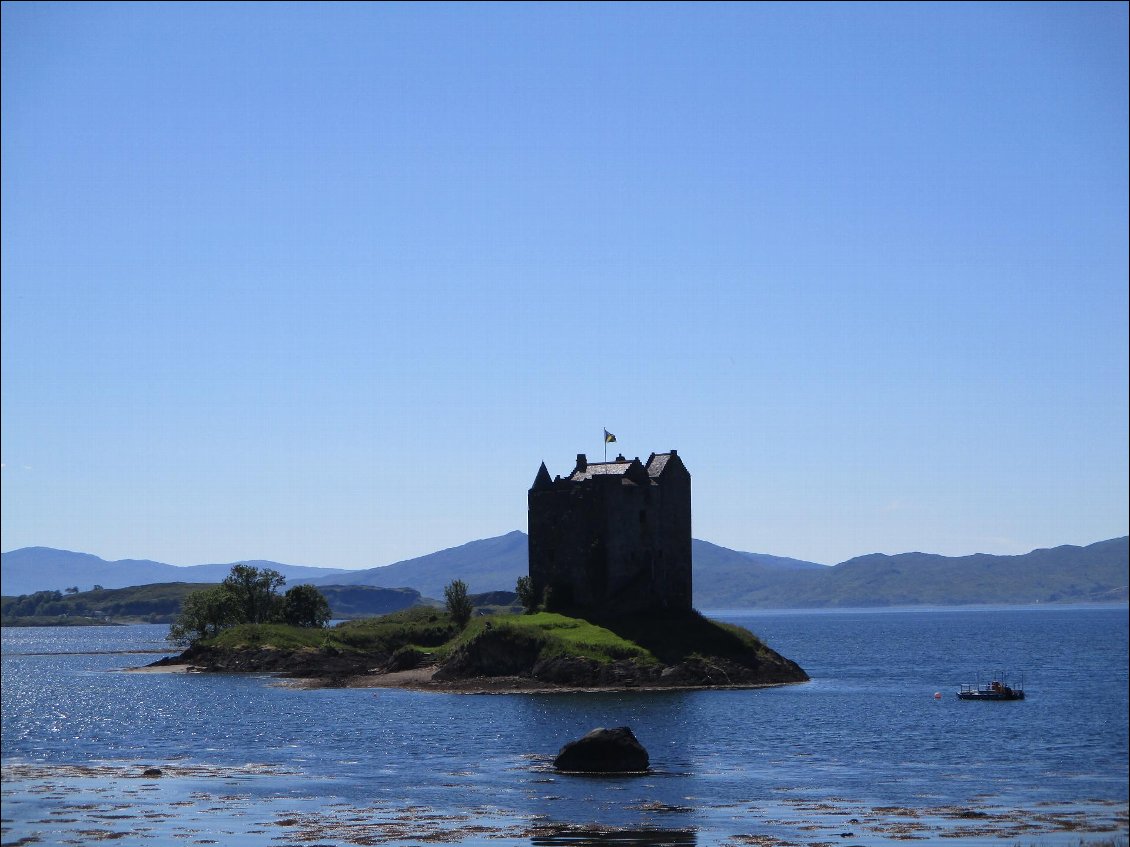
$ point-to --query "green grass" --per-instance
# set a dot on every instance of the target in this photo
(673, 637)
(578, 637)
(272, 635)
(420, 626)
(655, 638)
(554, 635)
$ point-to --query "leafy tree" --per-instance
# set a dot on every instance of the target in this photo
(526, 594)
(72, 590)
(304, 605)
(254, 592)
(204, 614)
(458, 603)
(247, 595)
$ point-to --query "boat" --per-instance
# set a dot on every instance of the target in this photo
(997, 689)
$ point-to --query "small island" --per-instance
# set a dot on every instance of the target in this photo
(606, 605)
(426, 648)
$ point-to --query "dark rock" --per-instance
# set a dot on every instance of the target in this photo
(407, 658)
(167, 661)
(604, 751)
(151, 772)
(567, 670)
(317, 664)
(493, 652)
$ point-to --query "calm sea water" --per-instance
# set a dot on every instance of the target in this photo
(865, 748)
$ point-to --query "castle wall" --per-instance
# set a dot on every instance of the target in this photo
(613, 544)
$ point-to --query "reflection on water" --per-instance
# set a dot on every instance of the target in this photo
(865, 746)
(629, 838)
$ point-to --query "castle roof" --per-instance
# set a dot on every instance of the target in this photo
(600, 469)
(629, 471)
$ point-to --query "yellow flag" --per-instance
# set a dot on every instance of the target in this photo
(608, 437)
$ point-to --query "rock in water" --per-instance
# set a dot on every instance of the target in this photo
(603, 751)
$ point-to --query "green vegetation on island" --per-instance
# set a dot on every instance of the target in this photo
(248, 596)
(227, 629)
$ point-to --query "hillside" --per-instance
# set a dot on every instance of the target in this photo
(32, 569)
(489, 564)
(161, 603)
(152, 603)
(723, 578)
(496, 563)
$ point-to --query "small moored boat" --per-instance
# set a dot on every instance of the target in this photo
(998, 689)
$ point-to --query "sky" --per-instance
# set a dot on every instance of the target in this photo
(325, 283)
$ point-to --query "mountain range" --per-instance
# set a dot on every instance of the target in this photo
(723, 578)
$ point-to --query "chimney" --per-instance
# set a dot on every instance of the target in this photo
(582, 462)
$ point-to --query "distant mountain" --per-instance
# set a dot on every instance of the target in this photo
(723, 578)
(489, 564)
(365, 601)
(32, 569)
(496, 563)
(1095, 573)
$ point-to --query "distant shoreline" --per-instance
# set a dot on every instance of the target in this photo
(746, 610)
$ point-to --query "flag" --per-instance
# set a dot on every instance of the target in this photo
(609, 437)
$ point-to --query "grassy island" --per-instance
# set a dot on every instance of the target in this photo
(539, 650)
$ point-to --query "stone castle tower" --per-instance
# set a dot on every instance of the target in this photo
(613, 537)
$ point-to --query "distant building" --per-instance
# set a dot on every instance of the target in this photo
(613, 537)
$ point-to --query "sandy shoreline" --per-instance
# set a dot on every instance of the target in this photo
(421, 679)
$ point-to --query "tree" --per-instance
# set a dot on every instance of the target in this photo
(458, 603)
(203, 614)
(247, 595)
(304, 605)
(72, 590)
(254, 592)
(526, 594)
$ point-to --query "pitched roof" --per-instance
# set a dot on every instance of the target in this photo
(657, 463)
(601, 469)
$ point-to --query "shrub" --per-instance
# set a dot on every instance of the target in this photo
(457, 602)
(526, 594)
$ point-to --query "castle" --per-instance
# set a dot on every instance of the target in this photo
(613, 537)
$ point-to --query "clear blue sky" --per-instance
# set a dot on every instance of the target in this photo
(324, 284)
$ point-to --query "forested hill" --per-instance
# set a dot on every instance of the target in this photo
(723, 578)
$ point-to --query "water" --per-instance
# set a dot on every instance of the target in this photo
(865, 748)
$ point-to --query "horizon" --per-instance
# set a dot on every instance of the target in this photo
(302, 282)
(494, 537)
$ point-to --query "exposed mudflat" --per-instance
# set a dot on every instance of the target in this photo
(161, 803)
